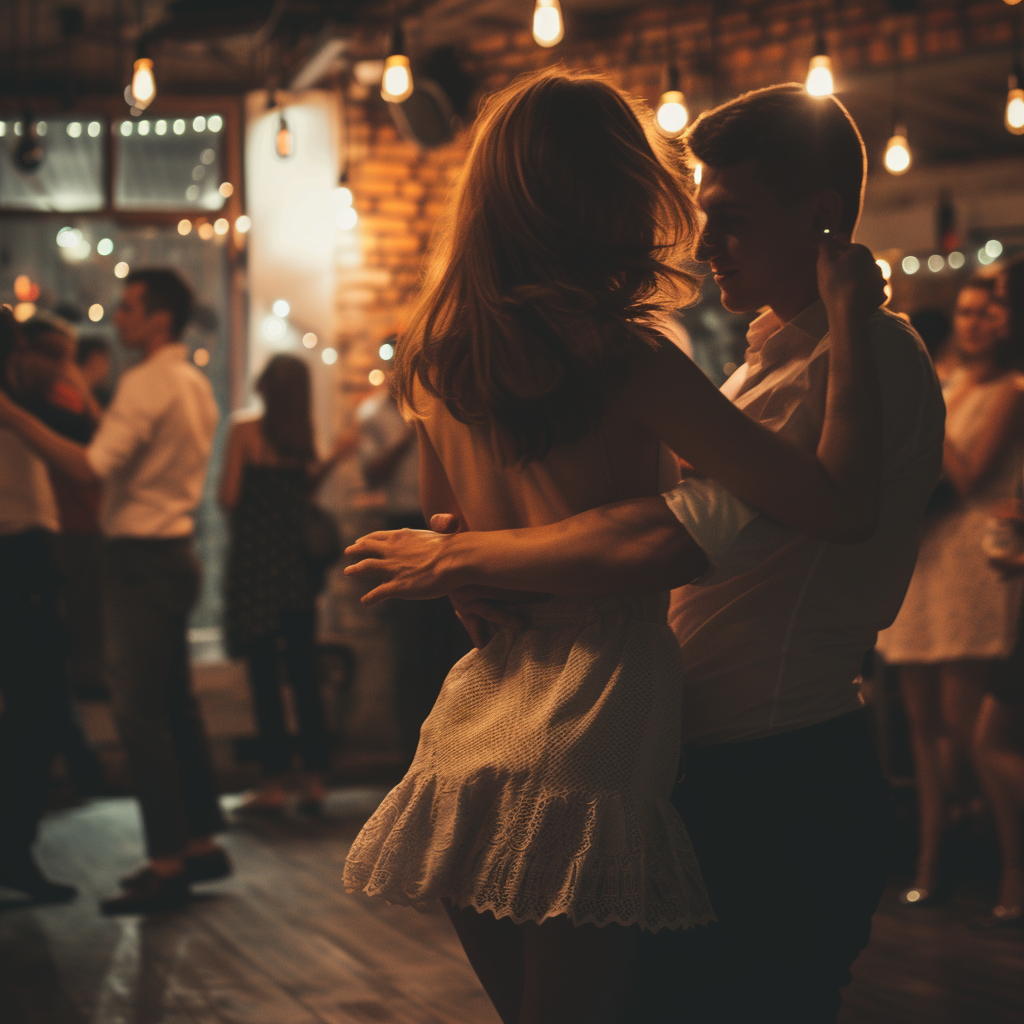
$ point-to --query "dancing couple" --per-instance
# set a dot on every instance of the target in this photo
(594, 874)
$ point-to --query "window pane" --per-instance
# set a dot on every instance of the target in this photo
(171, 163)
(70, 176)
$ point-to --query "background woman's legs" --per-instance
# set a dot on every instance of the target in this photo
(963, 687)
(262, 658)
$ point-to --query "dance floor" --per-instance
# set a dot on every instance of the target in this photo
(279, 943)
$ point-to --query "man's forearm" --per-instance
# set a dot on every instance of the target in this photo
(628, 547)
(58, 452)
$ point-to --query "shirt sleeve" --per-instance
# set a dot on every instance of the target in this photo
(733, 536)
(126, 426)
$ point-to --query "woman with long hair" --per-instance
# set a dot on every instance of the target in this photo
(537, 806)
(271, 472)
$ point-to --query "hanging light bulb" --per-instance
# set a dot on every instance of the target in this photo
(396, 85)
(819, 76)
(283, 140)
(548, 28)
(897, 151)
(343, 197)
(672, 114)
(1015, 104)
(143, 83)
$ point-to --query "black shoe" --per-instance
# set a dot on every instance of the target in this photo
(149, 893)
(205, 867)
(26, 877)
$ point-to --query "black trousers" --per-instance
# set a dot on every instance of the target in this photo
(292, 645)
(33, 684)
(792, 833)
(149, 587)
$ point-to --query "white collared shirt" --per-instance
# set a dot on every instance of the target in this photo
(773, 636)
(153, 445)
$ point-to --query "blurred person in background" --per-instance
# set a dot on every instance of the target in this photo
(94, 364)
(271, 474)
(151, 452)
(428, 637)
(960, 614)
(32, 679)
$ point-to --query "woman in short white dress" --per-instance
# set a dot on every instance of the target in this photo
(537, 806)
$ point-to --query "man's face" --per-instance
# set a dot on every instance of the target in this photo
(757, 247)
(134, 324)
(979, 323)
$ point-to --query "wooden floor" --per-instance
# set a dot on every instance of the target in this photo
(279, 943)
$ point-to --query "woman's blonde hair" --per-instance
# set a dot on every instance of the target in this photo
(566, 228)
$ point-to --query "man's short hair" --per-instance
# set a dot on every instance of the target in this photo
(800, 144)
(164, 289)
(49, 335)
(90, 346)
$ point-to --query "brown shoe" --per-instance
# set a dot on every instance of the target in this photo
(148, 893)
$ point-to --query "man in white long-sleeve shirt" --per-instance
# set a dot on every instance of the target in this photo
(782, 794)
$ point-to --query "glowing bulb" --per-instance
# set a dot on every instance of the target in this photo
(548, 28)
(911, 264)
(143, 83)
(897, 152)
(126, 128)
(1015, 111)
(74, 129)
(343, 196)
(226, 189)
(184, 226)
(121, 269)
(936, 263)
(329, 356)
(201, 357)
(143, 127)
(94, 129)
(205, 231)
(281, 307)
(885, 267)
(68, 238)
(24, 311)
(199, 124)
(273, 328)
(105, 246)
(376, 378)
(994, 248)
(95, 312)
(387, 351)
(955, 260)
(283, 139)
(221, 225)
(161, 128)
(346, 218)
(396, 84)
(672, 114)
(819, 76)
(242, 224)
(23, 288)
(309, 340)
(179, 126)
(214, 123)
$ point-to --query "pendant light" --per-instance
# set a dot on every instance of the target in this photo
(897, 151)
(143, 83)
(548, 27)
(672, 115)
(819, 71)
(396, 84)
(1015, 104)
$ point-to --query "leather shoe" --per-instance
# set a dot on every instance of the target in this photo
(25, 876)
(203, 867)
(147, 894)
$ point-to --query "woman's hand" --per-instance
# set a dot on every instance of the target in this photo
(850, 282)
(409, 564)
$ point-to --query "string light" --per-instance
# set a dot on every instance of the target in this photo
(819, 76)
(281, 307)
(672, 114)
(184, 226)
(396, 84)
(121, 269)
(221, 225)
(897, 151)
(283, 139)
(143, 84)
(548, 27)
(95, 312)
(309, 340)
(329, 356)
(1014, 119)
(376, 378)
(911, 264)
(242, 224)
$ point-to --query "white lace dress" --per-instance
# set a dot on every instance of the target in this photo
(542, 781)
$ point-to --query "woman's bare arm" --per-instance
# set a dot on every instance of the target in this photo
(234, 464)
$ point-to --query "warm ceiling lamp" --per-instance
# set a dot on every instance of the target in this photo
(672, 114)
(396, 85)
(1015, 103)
(143, 83)
(819, 75)
(283, 142)
(548, 27)
(897, 151)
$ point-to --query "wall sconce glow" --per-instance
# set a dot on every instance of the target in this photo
(94, 129)
(121, 270)
(68, 238)
(199, 124)
(95, 312)
(548, 27)
(281, 307)
(897, 152)
(396, 85)
(242, 224)
(179, 126)
(201, 357)
(672, 114)
(376, 378)
(214, 123)
(205, 231)
(911, 264)
(329, 356)
(24, 311)
(346, 218)
(885, 267)
(226, 189)
(819, 76)
(309, 340)
(184, 226)
(74, 129)
(936, 263)
(273, 328)
(955, 260)
(387, 351)
(143, 83)
(221, 225)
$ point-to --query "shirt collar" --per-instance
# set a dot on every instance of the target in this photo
(770, 342)
(174, 350)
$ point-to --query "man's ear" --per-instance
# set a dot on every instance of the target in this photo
(827, 212)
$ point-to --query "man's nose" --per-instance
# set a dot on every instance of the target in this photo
(705, 249)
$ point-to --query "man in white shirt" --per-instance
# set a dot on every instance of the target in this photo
(782, 793)
(151, 451)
